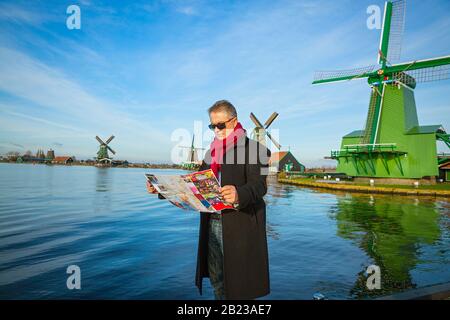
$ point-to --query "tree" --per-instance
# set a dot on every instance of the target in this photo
(12, 155)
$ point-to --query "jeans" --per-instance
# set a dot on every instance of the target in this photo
(215, 257)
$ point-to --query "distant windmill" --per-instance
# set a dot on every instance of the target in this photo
(102, 154)
(192, 159)
(259, 133)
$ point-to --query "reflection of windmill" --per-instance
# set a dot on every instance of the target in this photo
(259, 133)
(192, 160)
(393, 251)
(102, 154)
(392, 144)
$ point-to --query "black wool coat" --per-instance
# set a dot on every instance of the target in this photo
(246, 261)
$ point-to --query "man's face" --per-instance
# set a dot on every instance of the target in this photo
(223, 117)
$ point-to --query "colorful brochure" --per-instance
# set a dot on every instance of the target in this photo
(198, 191)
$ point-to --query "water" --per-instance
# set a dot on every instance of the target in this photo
(131, 245)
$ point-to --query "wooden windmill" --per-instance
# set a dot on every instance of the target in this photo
(102, 154)
(392, 143)
(259, 133)
(192, 159)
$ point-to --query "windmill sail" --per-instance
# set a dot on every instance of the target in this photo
(255, 120)
(397, 28)
(109, 148)
(275, 142)
(423, 75)
(109, 139)
(341, 75)
(270, 120)
(422, 70)
(392, 32)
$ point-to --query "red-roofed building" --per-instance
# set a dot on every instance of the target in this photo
(62, 160)
(284, 161)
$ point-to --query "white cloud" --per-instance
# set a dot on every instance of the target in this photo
(18, 14)
(189, 11)
(49, 89)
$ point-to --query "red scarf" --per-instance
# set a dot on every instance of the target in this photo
(220, 147)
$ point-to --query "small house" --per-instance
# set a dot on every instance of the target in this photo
(62, 160)
(444, 171)
(284, 161)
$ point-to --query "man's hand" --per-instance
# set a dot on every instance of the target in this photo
(151, 188)
(229, 194)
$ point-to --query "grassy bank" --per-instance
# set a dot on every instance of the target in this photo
(440, 190)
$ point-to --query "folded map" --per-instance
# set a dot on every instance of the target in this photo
(198, 191)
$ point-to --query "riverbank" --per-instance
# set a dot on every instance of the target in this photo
(93, 164)
(439, 190)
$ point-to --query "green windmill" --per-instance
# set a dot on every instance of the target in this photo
(392, 144)
(102, 153)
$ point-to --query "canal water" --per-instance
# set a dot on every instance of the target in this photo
(131, 245)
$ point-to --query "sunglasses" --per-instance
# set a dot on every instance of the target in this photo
(220, 125)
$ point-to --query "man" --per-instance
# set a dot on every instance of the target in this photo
(232, 247)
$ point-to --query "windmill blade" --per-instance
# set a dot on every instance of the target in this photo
(255, 120)
(392, 31)
(109, 139)
(99, 140)
(184, 147)
(273, 140)
(422, 70)
(270, 120)
(397, 30)
(109, 148)
(193, 157)
(419, 64)
(423, 75)
(342, 75)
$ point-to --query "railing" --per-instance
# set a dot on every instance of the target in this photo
(360, 148)
(443, 155)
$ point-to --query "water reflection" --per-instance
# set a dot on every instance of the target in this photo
(103, 185)
(271, 231)
(119, 235)
(390, 232)
(103, 179)
(277, 193)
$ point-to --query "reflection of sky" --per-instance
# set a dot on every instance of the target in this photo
(141, 70)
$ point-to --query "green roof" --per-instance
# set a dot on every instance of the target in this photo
(426, 129)
(355, 134)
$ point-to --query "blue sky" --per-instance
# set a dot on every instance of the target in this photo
(143, 70)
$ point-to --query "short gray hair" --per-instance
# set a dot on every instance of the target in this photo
(223, 105)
